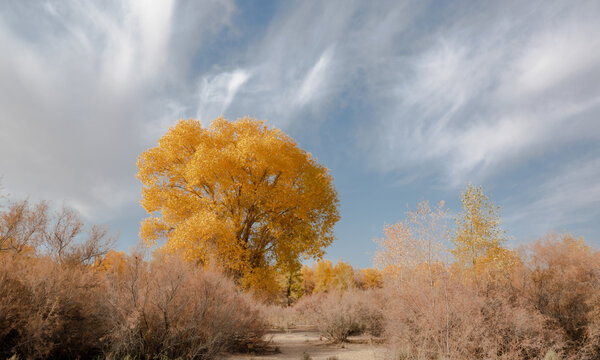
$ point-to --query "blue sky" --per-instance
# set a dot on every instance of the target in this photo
(402, 100)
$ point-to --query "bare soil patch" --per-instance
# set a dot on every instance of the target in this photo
(292, 345)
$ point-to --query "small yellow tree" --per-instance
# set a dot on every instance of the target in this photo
(323, 275)
(291, 281)
(343, 276)
(369, 278)
(308, 279)
(478, 240)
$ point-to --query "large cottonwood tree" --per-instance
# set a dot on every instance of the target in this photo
(240, 194)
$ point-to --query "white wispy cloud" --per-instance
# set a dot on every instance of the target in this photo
(484, 93)
(315, 79)
(313, 52)
(555, 56)
(566, 199)
(217, 92)
(81, 87)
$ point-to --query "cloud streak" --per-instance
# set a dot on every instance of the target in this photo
(80, 86)
(217, 92)
(489, 94)
(315, 80)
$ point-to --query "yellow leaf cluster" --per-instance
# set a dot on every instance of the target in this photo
(114, 261)
(326, 277)
(369, 278)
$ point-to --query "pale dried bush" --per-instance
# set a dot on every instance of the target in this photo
(591, 348)
(547, 303)
(163, 308)
(31, 230)
(22, 226)
(415, 241)
(562, 280)
(169, 308)
(282, 318)
(51, 306)
(65, 239)
(50, 311)
(452, 319)
(338, 315)
(58, 299)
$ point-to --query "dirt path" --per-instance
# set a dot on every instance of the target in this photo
(294, 344)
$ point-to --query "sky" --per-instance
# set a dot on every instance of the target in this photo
(402, 100)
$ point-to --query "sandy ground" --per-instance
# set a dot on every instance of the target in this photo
(294, 344)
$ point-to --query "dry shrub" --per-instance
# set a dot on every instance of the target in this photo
(50, 311)
(165, 308)
(338, 315)
(452, 319)
(22, 226)
(591, 348)
(68, 303)
(562, 280)
(282, 318)
(51, 306)
(549, 300)
(30, 229)
(169, 308)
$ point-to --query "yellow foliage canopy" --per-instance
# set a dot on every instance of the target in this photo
(478, 233)
(239, 194)
(326, 276)
(371, 278)
(115, 261)
(478, 239)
